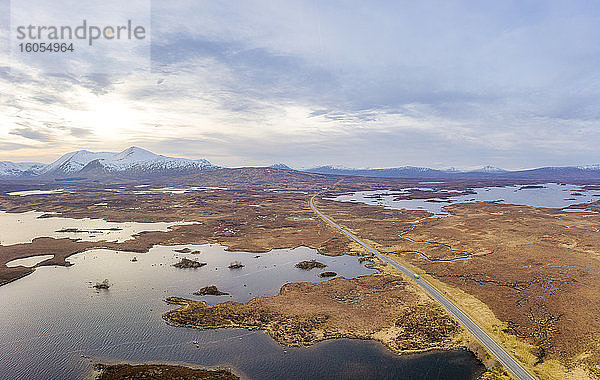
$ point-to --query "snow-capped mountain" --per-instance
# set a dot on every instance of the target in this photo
(554, 173)
(18, 169)
(136, 159)
(131, 161)
(589, 167)
(74, 161)
(404, 171)
(489, 169)
(280, 166)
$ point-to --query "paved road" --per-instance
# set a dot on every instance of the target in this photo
(511, 364)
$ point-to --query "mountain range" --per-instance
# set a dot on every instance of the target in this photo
(405, 172)
(132, 161)
(545, 173)
(136, 162)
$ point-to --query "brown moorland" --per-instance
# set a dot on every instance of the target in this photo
(536, 269)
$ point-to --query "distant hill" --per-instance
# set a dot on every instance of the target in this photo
(280, 166)
(489, 169)
(545, 173)
(401, 172)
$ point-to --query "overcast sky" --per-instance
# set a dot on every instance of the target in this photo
(515, 84)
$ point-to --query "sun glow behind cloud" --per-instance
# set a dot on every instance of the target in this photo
(109, 116)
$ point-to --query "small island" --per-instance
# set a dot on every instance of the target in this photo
(187, 263)
(159, 371)
(102, 285)
(327, 274)
(186, 250)
(526, 187)
(183, 250)
(70, 230)
(236, 265)
(310, 264)
(211, 290)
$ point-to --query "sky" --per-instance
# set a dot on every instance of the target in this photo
(514, 84)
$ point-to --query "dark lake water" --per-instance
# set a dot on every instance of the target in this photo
(54, 324)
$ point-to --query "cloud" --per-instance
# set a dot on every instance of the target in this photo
(32, 134)
(9, 146)
(79, 132)
(424, 83)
